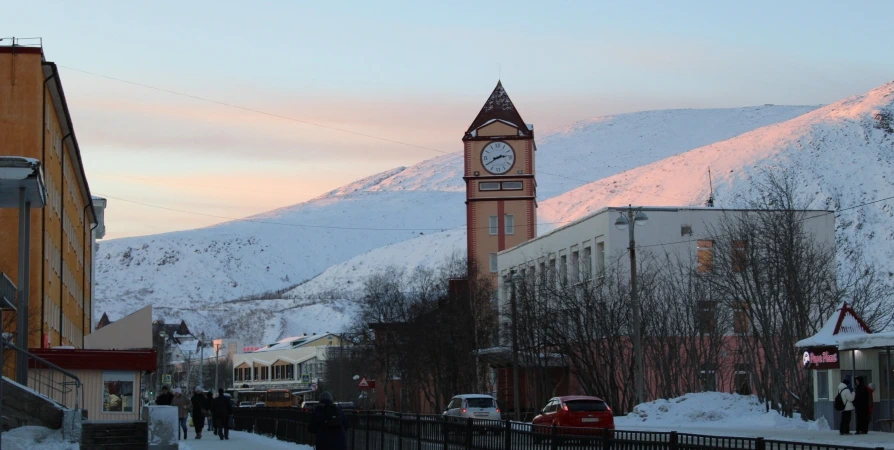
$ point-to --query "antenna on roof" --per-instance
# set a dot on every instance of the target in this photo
(710, 202)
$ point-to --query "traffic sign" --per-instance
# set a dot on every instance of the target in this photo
(166, 379)
(305, 378)
(366, 384)
(313, 387)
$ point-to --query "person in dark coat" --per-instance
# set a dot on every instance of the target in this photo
(329, 423)
(861, 405)
(165, 397)
(199, 401)
(221, 410)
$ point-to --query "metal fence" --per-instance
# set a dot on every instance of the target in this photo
(45, 378)
(384, 430)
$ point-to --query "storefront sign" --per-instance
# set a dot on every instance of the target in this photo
(820, 358)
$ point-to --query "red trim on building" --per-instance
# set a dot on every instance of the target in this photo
(20, 49)
(501, 226)
(77, 359)
(845, 309)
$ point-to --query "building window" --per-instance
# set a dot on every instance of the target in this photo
(493, 262)
(509, 220)
(743, 379)
(708, 377)
(822, 384)
(255, 377)
(117, 391)
(707, 313)
(488, 186)
(290, 372)
(493, 225)
(705, 256)
(738, 258)
(740, 317)
(600, 258)
(513, 185)
(575, 266)
(563, 270)
(587, 262)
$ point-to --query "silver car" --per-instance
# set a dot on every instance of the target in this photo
(474, 406)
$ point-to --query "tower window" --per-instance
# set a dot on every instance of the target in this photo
(509, 219)
(512, 185)
(490, 186)
(493, 227)
(493, 262)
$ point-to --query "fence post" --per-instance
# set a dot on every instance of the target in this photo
(400, 431)
(554, 439)
(507, 437)
(368, 413)
(382, 432)
(673, 440)
(606, 438)
(469, 433)
(759, 444)
(418, 432)
(445, 431)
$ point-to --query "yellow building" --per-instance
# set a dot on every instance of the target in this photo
(35, 122)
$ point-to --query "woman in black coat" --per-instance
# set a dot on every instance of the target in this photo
(198, 400)
(861, 405)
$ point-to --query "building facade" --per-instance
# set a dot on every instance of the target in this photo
(293, 363)
(35, 122)
(501, 190)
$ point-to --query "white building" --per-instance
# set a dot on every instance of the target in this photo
(583, 249)
(291, 363)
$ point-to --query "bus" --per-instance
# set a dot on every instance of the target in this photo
(278, 398)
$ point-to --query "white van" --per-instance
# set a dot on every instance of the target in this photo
(475, 406)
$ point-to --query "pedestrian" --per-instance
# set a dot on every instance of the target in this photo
(847, 397)
(329, 423)
(221, 411)
(871, 388)
(199, 401)
(182, 405)
(861, 405)
(209, 403)
(165, 397)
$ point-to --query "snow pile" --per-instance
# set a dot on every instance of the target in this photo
(27, 438)
(241, 441)
(709, 409)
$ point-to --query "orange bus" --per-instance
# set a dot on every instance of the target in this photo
(278, 398)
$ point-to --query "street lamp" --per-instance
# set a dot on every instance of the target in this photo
(216, 363)
(639, 218)
(202, 359)
(513, 277)
(164, 351)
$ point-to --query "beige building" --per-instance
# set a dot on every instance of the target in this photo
(501, 189)
(291, 363)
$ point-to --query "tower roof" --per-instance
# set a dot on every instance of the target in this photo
(103, 321)
(499, 107)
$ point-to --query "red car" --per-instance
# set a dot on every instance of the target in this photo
(587, 415)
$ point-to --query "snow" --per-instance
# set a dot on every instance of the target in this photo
(30, 437)
(239, 440)
(875, 340)
(202, 275)
(721, 414)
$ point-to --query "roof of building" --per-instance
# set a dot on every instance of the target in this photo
(499, 107)
(294, 342)
(103, 321)
(845, 323)
(79, 359)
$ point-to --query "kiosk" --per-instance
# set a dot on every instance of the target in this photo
(846, 348)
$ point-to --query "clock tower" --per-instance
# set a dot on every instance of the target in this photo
(501, 200)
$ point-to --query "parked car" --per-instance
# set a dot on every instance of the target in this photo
(309, 405)
(246, 404)
(347, 406)
(260, 405)
(576, 414)
(474, 406)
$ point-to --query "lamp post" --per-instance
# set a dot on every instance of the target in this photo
(202, 359)
(164, 351)
(216, 364)
(626, 221)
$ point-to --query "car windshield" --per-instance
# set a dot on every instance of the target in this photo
(586, 405)
(480, 402)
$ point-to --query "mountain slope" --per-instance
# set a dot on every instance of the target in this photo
(203, 267)
(843, 153)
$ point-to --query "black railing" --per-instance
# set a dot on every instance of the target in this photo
(385, 430)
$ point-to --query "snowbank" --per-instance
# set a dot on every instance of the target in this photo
(241, 441)
(28, 438)
(705, 409)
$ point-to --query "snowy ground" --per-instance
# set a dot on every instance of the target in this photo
(716, 413)
(239, 440)
(28, 438)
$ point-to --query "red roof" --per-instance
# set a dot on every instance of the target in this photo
(78, 359)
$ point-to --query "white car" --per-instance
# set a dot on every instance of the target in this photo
(474, 406)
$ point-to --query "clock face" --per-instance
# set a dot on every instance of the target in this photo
(498, 157)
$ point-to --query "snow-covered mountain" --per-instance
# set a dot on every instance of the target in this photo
(191, 274)
(843, 153)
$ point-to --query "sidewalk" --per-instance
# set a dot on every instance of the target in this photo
(238, 441)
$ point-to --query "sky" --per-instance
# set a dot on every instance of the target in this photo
(413, 72)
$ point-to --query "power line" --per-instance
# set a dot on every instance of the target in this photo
(307, 122)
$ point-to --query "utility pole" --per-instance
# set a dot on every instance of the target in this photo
(202, 359)
(216, 365)
(515, 396)
(630, 219)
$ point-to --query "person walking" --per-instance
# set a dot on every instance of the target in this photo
(198, 401)
(329, 423)
(847, 397)
(165, 397)
(861, 405)
(222, 410)
(209, 404)
(182, 405)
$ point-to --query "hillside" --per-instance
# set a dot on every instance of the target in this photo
(185, 273)
(844, 154)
